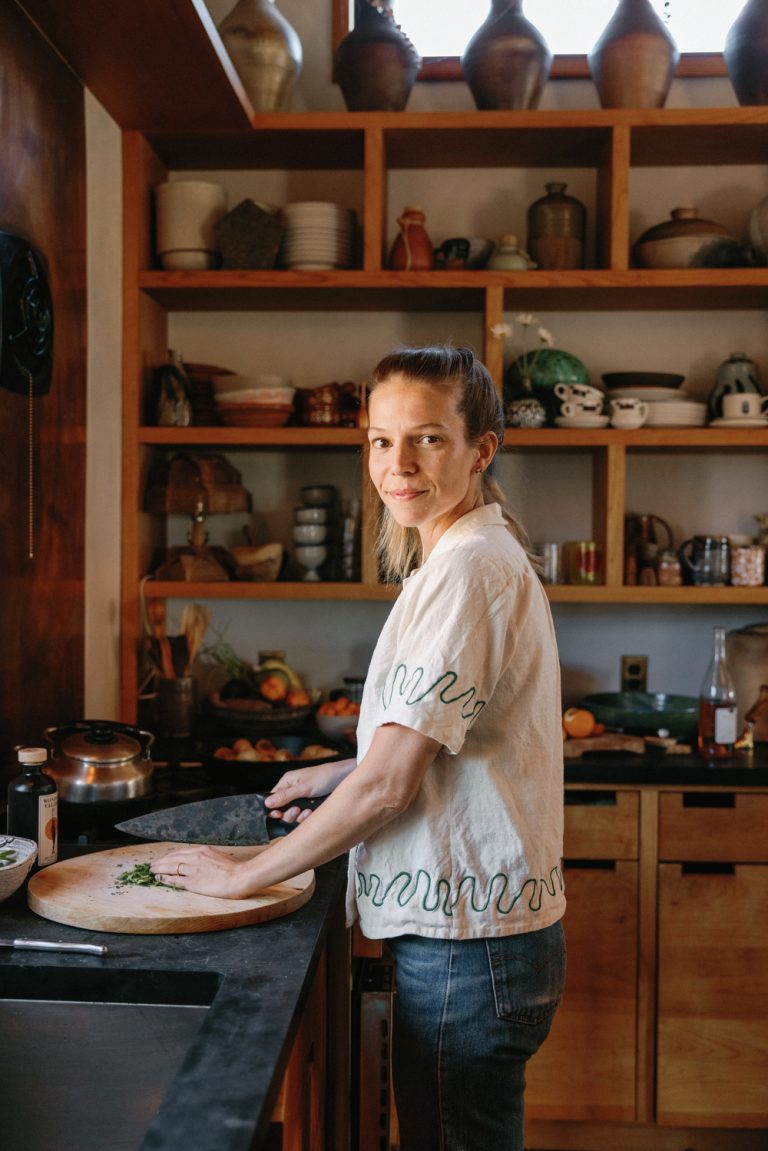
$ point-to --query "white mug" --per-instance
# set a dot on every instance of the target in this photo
(744, 405)
(628, 413)
(580, 408)
(579, 392)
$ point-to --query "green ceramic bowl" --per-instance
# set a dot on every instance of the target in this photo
(646, 713)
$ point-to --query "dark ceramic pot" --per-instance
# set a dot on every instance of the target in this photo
(376, 64)
(746, 53)
(551, 366)
(506, 63)
(634, 60)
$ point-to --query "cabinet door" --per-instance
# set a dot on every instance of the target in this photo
(713, 995)
(587, 1067)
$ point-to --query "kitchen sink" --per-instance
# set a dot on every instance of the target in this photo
(86, 1056)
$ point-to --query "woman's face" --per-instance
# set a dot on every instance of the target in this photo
(420, 462)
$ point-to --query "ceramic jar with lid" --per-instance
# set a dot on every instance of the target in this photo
(556, 226)
(507, 257)
(686, 240)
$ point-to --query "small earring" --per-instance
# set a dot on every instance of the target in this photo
(479, 470)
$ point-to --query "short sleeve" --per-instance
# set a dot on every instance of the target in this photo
(448, 650)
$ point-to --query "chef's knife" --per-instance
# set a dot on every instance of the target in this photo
(229, 821)
(47, 945)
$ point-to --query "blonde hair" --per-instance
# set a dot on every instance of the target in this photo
(399, 548)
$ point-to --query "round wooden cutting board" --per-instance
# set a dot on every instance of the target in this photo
(84, 892)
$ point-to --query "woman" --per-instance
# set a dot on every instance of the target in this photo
(453, 811)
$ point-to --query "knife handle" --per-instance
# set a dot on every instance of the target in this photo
(45, 945)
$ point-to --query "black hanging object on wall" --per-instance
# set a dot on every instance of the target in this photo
(26, 318)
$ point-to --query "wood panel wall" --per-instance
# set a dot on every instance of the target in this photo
(42, 197)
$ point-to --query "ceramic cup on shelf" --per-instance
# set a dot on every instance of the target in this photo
(579, 393)
(744, 406)
(573, 411)
(186, 213)
(628, 413)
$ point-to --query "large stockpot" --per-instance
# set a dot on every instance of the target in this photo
(99, 760)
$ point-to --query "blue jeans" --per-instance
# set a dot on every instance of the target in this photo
(468, 1015)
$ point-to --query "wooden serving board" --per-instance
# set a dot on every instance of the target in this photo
(83, 892)
(611, 741)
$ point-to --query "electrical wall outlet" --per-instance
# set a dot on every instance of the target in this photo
(634, 673)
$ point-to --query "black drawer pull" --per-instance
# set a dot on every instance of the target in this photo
(709, 799)
(590, 864)
(590, 798)
(709, 868)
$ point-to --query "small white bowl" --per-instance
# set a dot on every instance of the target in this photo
(310, 515)
(12, 875)
(309, 533)
(337, 726)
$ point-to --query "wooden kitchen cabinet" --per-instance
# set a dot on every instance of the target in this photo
(661, 1042)
(587, 1069)
(712, 1056)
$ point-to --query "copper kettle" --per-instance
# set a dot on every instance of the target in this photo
(642, 547)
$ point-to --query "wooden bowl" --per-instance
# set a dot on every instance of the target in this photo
(255, 415)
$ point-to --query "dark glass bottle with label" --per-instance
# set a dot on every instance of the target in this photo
(33, 805)
(717, 705)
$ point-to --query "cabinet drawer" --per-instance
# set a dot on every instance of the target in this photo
(712, 996)
(713, 827)
(601, 824)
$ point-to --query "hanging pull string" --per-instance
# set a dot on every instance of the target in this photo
(30, 468)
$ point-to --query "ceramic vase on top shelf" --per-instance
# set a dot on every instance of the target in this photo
(746, 53)
(506, 63)
(635, 58)
(376, 64)
(265, 51)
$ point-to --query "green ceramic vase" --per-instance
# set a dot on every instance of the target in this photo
(551, 366)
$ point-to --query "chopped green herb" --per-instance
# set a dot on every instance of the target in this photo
(141, 875)
(8, 856)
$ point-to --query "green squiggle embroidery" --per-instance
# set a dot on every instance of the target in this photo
(408, 689)
(438, 894)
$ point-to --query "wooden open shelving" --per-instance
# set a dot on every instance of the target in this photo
(612, 143)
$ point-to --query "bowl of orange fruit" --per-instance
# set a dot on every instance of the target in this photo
(337, 716)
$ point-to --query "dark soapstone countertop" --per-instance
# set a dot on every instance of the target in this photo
(225, 1090)
(657, 768)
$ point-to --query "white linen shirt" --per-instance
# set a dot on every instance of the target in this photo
(468, 657)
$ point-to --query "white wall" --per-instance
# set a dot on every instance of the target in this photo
(330, 640)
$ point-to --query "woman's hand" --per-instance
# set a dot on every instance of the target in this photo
(305, 783)
(206, 870)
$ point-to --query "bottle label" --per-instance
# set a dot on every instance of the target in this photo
(47, 829)
(725, 725)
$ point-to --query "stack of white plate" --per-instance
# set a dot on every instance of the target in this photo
(318, 235)
(680, 413)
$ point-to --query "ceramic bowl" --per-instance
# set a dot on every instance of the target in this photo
(337, 726)
(642, 380)
(318, 495)
(310, 515)
(189, 259)
(309, 533)
(13, 874)
(645, 713)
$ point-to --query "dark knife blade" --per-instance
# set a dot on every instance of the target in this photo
(229, 821)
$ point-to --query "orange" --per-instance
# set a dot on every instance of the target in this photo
(578, 722)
